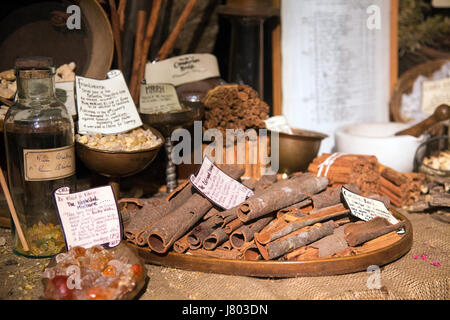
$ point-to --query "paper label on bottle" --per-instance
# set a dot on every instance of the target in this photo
(435, 93)
(49, 164)
(218, 187)
(183, 69)
(65, 92)
(158, 98)
(365, 208)
(89, 218)
(105, 106)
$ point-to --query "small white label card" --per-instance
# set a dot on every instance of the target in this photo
(105, 106)
(158, 98)
(365, 208)
(279, 124)
(183, 69)
(435, 93)
(89, 218)
(65, 92)
(218, 187)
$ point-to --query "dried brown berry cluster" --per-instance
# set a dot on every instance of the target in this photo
(234, 106)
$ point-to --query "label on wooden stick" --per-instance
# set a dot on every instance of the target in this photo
(89, 218)
(365, 208)
(218, 187)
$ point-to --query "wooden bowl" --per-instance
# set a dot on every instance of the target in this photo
(118, 164)
(28, 31)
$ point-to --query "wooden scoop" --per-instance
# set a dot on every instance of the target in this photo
(440, 114)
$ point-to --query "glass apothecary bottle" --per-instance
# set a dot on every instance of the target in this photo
(39, 143)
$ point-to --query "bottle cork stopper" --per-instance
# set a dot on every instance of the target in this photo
(34, 62)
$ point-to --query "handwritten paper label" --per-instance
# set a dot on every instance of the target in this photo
(365, 208)
(183, 69)
(218, 187)
(435, 93)
(49, 164)
(279, 124)
(89, 218)
(158, 98)
(105, 106)
(65, 92)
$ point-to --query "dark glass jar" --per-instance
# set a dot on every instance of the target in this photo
(39, 142)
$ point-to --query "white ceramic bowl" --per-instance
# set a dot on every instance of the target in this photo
(378, 139)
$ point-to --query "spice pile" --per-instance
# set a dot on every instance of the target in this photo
(134, 140)
(44, 240)
(234, 106)
(293, 219)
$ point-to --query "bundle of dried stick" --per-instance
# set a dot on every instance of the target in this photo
(402, 189)
(234, 106)
(362, 170)
(293, 219)
(434, 196)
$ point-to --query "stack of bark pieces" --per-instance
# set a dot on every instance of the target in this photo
(402, 189)
(293, 219)
(234, 106)
(362, 170)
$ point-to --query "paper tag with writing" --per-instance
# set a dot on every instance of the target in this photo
(218, 187)
(49, 164)
(183, 69)
(65, 92)
(279, 124)
(435, 93)
(365, 208)
(89, 218)
(105, 106)
(158, 98)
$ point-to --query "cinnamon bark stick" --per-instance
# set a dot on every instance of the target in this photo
(166, 231)
(134, 81)
(151, 26)
(216, 238)
(301, 254)
(115, 24)
(280, 195)
(182, 244)
(282, 227)
(360, 232)
(331, 244)
(233, 225)
(246, 232)
(295, 240)
(202, 230)
(331, 196)
(167, 46)
(250, 251)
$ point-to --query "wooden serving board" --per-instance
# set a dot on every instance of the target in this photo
(283, 269)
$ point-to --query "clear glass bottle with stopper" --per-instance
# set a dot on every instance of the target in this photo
(39, 142)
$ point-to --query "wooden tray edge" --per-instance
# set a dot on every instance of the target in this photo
(285, 269)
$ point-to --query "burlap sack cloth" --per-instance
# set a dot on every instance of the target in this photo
(413, 276)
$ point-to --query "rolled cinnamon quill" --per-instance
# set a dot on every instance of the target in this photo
(283, 226)
(246, 232)
(202, 230)
(360, 232)
(295, 240)
(169, 229)
(280, 195)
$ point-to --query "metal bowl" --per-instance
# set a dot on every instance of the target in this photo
(297, 150)
(118, 164)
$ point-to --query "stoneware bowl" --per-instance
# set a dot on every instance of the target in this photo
(378, 139)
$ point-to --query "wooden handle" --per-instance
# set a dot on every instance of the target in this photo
(13, 211)
(440, 114)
